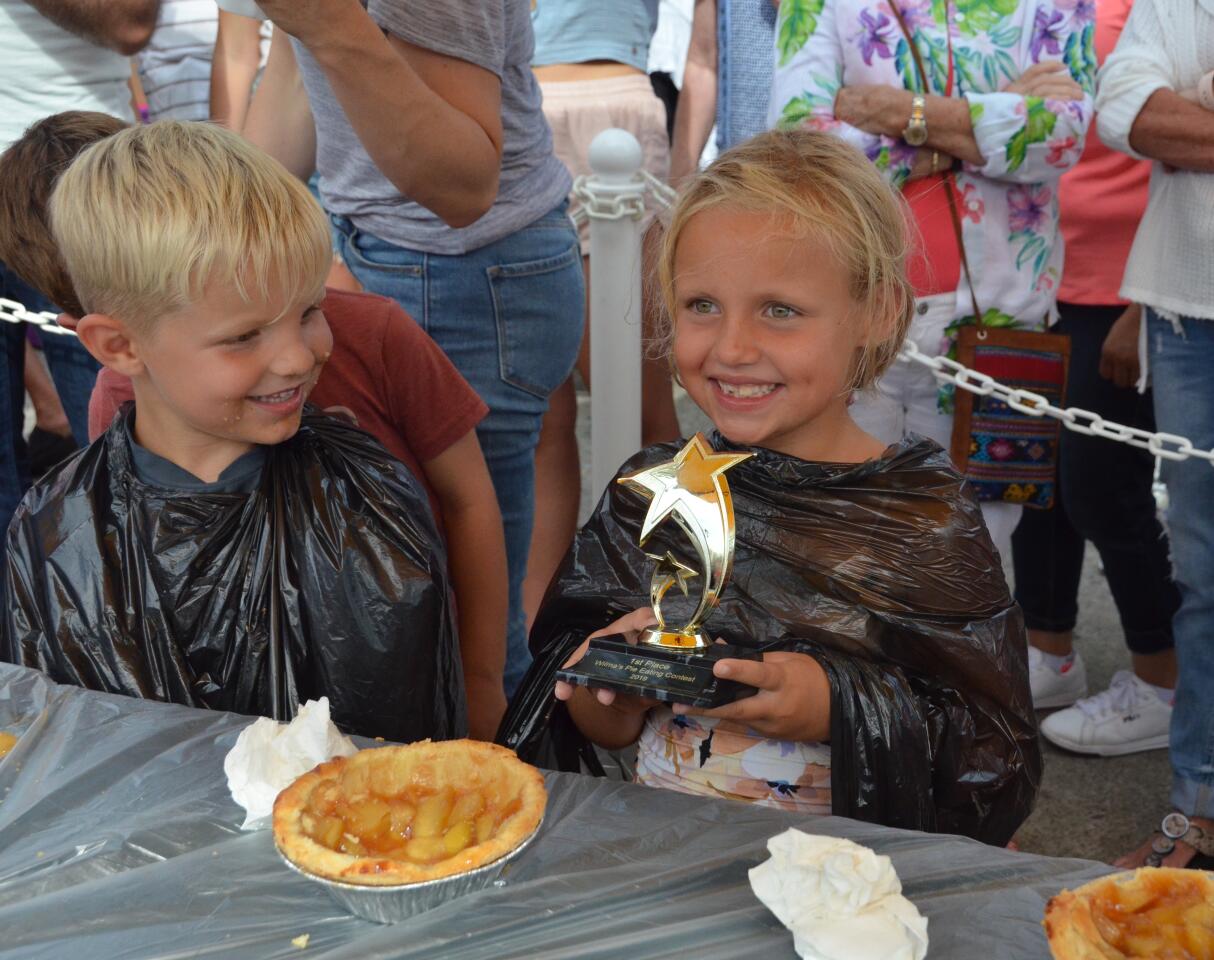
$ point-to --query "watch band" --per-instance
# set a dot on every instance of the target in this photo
(916, 127)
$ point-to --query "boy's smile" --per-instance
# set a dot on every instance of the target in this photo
(766, 335)
(222, 375)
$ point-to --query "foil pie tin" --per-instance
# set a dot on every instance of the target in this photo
(396, 903)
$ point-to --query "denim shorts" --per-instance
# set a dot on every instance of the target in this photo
(509, 316)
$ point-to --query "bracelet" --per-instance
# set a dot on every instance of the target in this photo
(1205, 91)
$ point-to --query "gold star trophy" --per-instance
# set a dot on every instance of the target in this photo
(676, 665)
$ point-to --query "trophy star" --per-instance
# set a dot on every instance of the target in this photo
(670, 570)
(693, 475)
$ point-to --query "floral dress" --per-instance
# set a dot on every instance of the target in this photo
(1009, 205)
(718, 758)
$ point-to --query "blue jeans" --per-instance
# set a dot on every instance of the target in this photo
(73, 370)
(509, 316)
(1181, 362)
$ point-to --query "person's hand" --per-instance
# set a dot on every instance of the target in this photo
(872, 107)
(928, 163)
(307, 20)
(1119, 355)
(1049, 80)
(630, 626)
(792, 702)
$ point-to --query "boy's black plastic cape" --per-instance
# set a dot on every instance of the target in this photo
(885, 573)
(329, 580)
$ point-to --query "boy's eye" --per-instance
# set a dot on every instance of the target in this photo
(311, 313)
(245, 337)
(780, 311)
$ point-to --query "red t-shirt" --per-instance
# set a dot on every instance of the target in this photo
(384, 369)
(1102, 198)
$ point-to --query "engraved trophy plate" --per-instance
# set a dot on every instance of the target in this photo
(674, 664)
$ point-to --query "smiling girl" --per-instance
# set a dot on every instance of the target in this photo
(892, 685)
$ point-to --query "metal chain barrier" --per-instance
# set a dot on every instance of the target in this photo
(1169, 446)
(15, 312)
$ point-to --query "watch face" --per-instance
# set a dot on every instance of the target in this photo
(915, 134)
(1175, 826)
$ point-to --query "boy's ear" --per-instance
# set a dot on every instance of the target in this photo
(109, 341)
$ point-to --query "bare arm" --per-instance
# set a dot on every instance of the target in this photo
(477, 549)
(234, 68)
(697, 108)
(880, 109)
(432, 123)
(122, 25)
(1175, 132)
(280, 118)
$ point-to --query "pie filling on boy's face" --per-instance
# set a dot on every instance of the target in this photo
(223, 375)
(764, 331)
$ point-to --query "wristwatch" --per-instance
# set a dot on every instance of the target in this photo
(916, 127)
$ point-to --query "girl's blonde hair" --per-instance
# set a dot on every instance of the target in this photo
(830, 192)
(147, 218)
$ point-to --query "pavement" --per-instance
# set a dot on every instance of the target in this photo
(1092, 807)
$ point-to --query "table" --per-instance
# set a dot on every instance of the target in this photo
(118, 839)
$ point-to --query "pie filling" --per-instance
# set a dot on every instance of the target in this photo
(408, 822)
(1159, 917)
(7, 742)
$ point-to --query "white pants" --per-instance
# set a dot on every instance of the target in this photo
(904, 401)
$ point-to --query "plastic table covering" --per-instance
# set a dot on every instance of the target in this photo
(118, 839)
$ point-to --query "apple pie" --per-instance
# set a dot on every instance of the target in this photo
(399, 815)
(1155, 912)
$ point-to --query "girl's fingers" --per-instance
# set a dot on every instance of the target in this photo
(563, 690)
(754, 673)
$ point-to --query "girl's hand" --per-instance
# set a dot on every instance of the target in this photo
(793, 699)
(630, 625)
(1049, 80)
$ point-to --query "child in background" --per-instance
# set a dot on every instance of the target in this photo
(392, 378)
(210, 549)
(893, 685)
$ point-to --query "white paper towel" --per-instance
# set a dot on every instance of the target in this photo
(840, 900)
(270, 756)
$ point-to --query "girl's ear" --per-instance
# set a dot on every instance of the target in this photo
(109, 341)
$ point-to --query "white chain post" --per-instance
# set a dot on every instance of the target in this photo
(616, 196)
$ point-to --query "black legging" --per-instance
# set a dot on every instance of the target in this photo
(1105, 497)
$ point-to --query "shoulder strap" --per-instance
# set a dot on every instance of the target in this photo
(950, 183)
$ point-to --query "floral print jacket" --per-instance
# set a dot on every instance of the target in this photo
(1009, 204)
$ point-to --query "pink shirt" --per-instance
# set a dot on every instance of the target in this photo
(1102, 198)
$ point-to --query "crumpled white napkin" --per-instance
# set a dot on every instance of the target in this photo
(840, 900)
(269, 756)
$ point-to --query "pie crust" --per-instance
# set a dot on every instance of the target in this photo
(507, 795)
(1156, 912)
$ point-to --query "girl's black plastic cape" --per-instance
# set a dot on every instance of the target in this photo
(329, 580)
(885, 573)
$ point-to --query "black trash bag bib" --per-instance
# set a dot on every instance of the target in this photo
(329, 580)
(885, 573)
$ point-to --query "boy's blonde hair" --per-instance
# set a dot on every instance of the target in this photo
(830, 192)
(148, 217)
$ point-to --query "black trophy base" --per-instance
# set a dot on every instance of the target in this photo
(667, 674)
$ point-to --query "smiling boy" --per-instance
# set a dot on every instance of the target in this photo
(221, 554)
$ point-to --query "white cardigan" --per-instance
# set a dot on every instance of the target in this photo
(1166, 43)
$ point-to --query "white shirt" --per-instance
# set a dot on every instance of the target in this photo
(668, 48)
(46, 70)
(175, 66)
(1165, 44)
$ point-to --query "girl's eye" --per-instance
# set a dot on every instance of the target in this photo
(311, 313)
(781, 311)
(702, 306)
(245, 337)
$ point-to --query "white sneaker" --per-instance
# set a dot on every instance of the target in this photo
(1126, 718)
(1051, 688)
